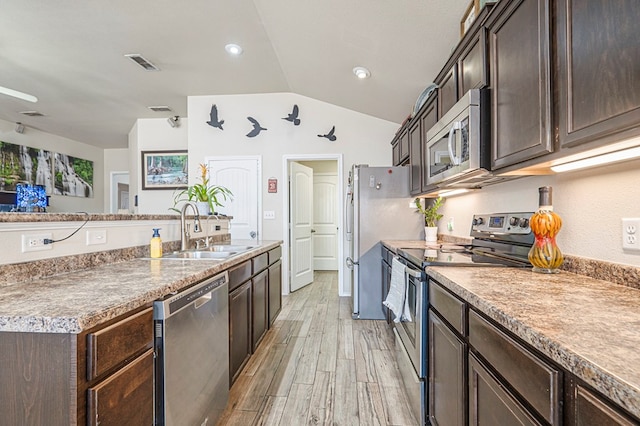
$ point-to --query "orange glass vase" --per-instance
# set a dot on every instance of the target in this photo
(545, 256)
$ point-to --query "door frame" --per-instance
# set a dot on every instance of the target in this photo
(286, 159)
(113, 189)
(258, 159)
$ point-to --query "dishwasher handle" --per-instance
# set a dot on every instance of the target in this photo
(198, 295)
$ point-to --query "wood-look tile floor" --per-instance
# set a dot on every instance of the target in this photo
(317, 366)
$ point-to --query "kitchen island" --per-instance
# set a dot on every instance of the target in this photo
(588, 327)
(77, 344)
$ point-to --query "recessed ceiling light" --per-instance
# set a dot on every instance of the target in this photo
(18, 94)
(233, 49)
(361, 72)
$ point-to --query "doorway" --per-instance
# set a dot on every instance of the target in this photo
(119, 193)
(327, 222)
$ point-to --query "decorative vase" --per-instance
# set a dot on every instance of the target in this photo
(203, 208)
(431, 234)
(545, 256)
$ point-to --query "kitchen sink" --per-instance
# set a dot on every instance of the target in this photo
(220, 251)
(199, 254)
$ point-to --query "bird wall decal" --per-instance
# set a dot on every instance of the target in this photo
(293, 117)
(213, 118)
(330, 135)
(256, 128)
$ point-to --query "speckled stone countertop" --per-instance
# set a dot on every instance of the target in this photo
(588, 326)
(75, 301)
(71, 217)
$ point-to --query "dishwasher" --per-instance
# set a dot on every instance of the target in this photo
(192, 354)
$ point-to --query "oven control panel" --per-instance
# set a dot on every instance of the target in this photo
(501, 223)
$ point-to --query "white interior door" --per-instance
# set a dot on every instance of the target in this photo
(325, 221)
(241, 176)
(301, 214)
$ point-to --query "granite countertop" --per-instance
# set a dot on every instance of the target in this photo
(588, 326)
(75, 301)
(79, 216)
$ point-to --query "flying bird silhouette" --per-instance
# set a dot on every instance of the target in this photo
(330, 135)
(213, 118)
(256, 128)
(293, 117)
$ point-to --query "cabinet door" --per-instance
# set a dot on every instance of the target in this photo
(585, 407)
(275, 290)
(447, 387)
(520, 82)
(429, 118)
(395, 152)
(404, 147)
(598, 69)
(386, 282)
(489, 401)
(472, 65)
(239, 329)
(124, 397)
(415, 156)
(260, 307)
(447, 91)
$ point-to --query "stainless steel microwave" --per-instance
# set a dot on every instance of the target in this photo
(458, 145)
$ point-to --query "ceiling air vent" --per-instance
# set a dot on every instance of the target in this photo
(32, 113)
(140, 60)
(160, 108)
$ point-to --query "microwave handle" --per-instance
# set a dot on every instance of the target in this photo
(455, 126)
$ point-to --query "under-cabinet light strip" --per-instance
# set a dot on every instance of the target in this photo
(612, 157)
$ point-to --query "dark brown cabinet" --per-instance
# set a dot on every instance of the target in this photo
(387, 258)
(415, 142)
(473, 65)
(275, 290)
(400, 148)
(260, 308)
(447, 378)
(585, 407)
(519, 40)
(429, 118)
(240, 344)
(598, 69)
(447, 90)
(489, 401)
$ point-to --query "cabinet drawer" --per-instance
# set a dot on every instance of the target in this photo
(127, 394)
(239, 274)
(275, 254)
(536, 380)
(260, 263)
(115, 344)
(448, 306)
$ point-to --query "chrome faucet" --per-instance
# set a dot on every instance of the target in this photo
(184, 227)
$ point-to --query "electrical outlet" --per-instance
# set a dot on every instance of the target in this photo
(96, 236)
(35, 242)
(631, 233)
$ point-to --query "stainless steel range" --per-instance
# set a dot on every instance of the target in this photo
(498, 240)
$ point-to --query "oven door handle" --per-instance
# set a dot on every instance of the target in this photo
(415, 273)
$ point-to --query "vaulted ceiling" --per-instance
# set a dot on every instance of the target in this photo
(70, 55)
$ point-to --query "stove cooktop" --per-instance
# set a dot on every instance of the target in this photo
(458, 256)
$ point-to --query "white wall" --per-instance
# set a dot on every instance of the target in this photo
(153, 134)
(590, 202)
(36, 139)
(360, 138)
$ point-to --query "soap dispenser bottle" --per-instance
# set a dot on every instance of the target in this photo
(156, 243)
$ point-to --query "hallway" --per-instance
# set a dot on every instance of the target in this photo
(317, 366)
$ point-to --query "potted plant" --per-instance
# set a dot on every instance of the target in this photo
(206, 196)
(431, 218)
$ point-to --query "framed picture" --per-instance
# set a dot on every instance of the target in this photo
(469, 16)
(164, 169)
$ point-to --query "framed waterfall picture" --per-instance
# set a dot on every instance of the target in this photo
(164, 169)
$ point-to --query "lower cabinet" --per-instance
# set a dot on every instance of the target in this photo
(260, 308)
(490, 403)
(447, 378)
(584, 407)
(275, 290)
(240, 344)
(387, 257)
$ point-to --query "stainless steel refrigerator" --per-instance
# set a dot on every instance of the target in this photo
(378, 207)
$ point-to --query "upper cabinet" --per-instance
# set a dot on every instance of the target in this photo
(400, 147)
(598, 69)
(519, 39)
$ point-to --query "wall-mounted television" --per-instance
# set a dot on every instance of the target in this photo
(31, 198)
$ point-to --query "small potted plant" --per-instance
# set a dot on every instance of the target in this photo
(206, 196)
(431, 218)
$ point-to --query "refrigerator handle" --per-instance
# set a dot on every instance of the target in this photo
(348, 212)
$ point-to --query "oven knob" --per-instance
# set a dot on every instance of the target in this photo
(513, 221)
(478, 221)
(524, 222)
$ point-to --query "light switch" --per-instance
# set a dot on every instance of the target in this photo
(269, 214)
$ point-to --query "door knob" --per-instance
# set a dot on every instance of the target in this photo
(252, 234)
(313, 230)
